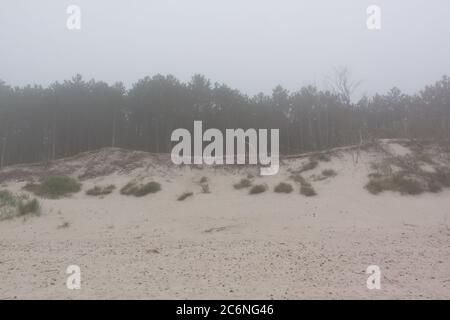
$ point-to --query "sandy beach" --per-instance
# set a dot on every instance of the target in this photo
(228, 244)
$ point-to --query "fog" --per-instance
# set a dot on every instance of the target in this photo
(251, 45)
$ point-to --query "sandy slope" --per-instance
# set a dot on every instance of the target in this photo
(228, 244)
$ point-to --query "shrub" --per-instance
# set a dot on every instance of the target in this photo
(54, 187)
(205, 188)
(434, 186)
(204, 185)
(307, 190)
(17, 205)
(396, 182)
(310, 165)
(259, 188)
(25, 207)
(129, 189)
(140, 190)
(151, 187)
(244, 183)
(406, 185)
(185, 195)
(375, 186)
(100, 191)
(329, 173)
(321, 157)
(283, 187)
(63, 225)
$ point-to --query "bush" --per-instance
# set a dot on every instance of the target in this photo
(54, 187)
(259, 188)
(100, 191)
(329, 173)
(310, 165)
(321, 157)
(17, 205)
(151, 187)
(205, 188)
(140, 190)
(407, 185)
(185, 195)
(375, 186)
(396, 182)
(244, 183)
(204, 185)
(283, 187)
(308, 190)
(129, 189)
(25, 207)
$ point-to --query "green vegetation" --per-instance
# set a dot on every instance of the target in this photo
(12, 206)
(205, 185)
(395, 182)
(283, 187)
(140, 190)
(54, 187)
(329, 173)
(101, 191)
(63, 225)
(306, 188)
(185, 195)
(259, 188)
(321, 157)
(244, 183)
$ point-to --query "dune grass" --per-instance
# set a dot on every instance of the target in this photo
(185, 195)
(244, 183)
(140, 190)
(12, 206)
(283, 187)
(54, 187)
(259, 188)
(101, 191)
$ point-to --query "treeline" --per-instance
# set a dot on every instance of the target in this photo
(41, 124)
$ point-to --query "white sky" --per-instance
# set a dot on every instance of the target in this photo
(251, 45)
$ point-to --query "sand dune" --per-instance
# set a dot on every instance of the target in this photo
(227, 244)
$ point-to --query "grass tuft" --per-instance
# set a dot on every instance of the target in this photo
(54, 187)
(244, 183)
(100, 191)
(283, 187)
(259, 188)
(140, 190)
(185, 196)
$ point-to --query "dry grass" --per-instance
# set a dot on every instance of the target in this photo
(244, 183)
(185, 195)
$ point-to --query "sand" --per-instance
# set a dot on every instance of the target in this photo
(228, 244)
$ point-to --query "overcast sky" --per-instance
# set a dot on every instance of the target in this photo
(251, 45)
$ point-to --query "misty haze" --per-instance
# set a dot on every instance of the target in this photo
(224, 150)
